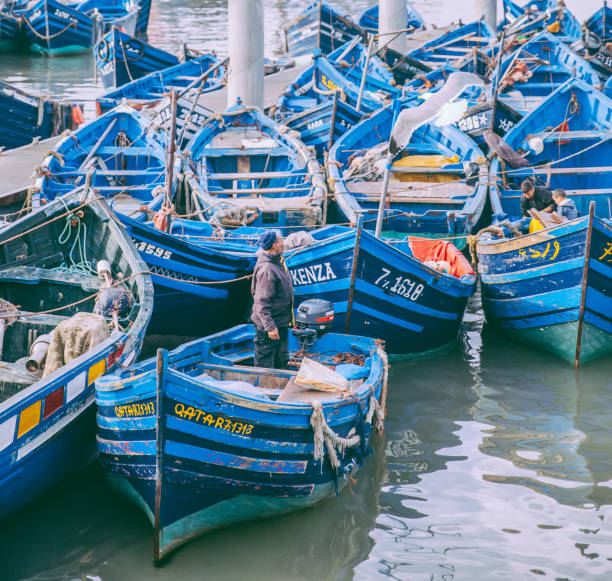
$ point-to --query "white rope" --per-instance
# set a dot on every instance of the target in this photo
(323, 434)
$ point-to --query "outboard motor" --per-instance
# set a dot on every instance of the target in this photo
(313, 318)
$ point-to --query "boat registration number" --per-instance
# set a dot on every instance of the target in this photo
(402, 286)
(201, 417)
(149, 248)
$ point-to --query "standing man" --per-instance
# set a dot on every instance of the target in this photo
(272, 292)
(537, 197)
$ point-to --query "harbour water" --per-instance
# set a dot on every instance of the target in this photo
(496, 462)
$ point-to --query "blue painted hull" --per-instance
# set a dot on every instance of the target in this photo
(46, 425)
(121, 58)
(22, 119)
(319, 27)
(369, 19)
(52, 28)
(397, 298)
(150, 90)
(307, 104)
(254, 461)
(10, 32)
(144, 12)
(532, 288)
(454, 45)
(182, 306)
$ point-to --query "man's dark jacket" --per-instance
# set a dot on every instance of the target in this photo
(272, 292)
(542, 198)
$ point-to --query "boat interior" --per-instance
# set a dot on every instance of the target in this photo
(47, 276)
(124, 164)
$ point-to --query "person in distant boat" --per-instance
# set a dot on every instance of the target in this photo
(272, 292)
(536, 197)
(566, 207)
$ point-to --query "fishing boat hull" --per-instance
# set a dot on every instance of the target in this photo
(46, 424)
(200, 288)
(24, 117)
(144, 11)
(10, 31)
(195, 458)
(369, 19)
(538, 289)
(319, 27)
(52, 28)
(121, 58)
(379, 287)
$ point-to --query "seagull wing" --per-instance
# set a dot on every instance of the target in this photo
(409, 120)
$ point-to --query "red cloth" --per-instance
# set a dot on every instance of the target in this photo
(424, 249)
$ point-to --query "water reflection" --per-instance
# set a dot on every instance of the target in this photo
(548, 422)
(83, 530)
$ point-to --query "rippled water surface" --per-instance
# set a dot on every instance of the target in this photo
(496, 461)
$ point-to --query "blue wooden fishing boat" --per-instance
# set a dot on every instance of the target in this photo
(320, 27)
(533, 17)
(48, 282)
(54, 28)
(566, 144)
(369, 19)
(552, 288)
(25, 117)
(435, 189)
(322, 103)
(11, 36)
(121, 58)
(533, 71)
(595, 39)
(121, 154)
(243, 166)
(144, 11)
(411, 293)
(189, 79)
(454, 45)
(199, 438)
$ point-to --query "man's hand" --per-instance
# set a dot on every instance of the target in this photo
(273, 334)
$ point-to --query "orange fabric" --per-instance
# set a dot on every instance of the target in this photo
(77, 116)
(424, 249)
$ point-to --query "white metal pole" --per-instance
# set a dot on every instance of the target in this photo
(392, 16)
(488, 9)
(246, 52)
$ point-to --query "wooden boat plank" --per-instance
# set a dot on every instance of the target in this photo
(424, 191)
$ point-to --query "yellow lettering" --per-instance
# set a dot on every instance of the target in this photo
(546, 251)
(248, 429)
(218, 423)
(209, 420)
(119, 411)
(227, 425)
(607, 252)
(179, 410)
(556, 247)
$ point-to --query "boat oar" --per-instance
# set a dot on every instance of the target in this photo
(364, 75)
(170, 158)
(496, 79)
